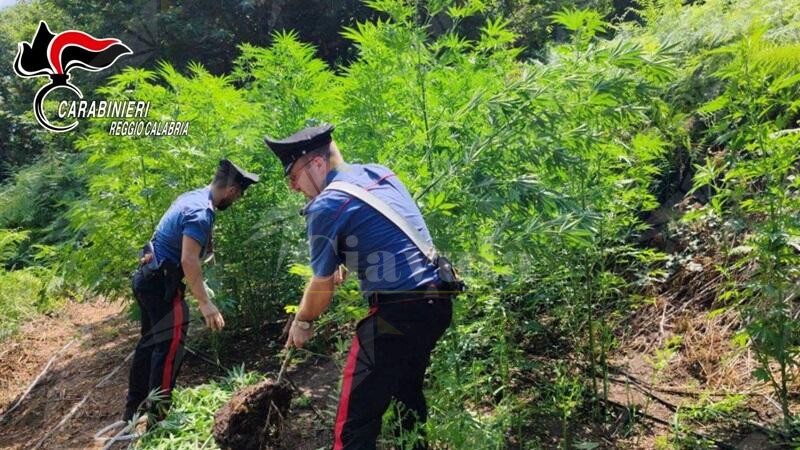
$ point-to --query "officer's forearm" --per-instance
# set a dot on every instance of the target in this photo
(316, 298)
(194, 278)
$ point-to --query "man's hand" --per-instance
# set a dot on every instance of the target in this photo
(146, 259)
(212, 315)
(340, 275)
(297, 336)
(316, 299)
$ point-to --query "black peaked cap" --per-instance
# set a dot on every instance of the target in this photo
(243, 177)
(290, 149)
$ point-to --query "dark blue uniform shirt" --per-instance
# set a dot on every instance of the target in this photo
(344, 230)
(191, 214)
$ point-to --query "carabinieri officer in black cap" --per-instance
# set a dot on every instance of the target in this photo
(408, 311)
(181, 240)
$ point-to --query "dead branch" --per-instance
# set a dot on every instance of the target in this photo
(662, 323)
(36, 380)
(636, 412)
(78, 405)
(670, 390)
(648, 392)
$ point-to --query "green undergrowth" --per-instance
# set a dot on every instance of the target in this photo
(25, 293)
(190, 421)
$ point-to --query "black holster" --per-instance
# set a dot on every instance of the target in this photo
(451, 282)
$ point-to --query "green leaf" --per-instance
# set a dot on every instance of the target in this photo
(761, 374)
(741, 339)
(717, 312)
(715, 105)
(303, 270)
(585, 20)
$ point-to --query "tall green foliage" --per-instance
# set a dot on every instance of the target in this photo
(755, 186)
(535, 175)
(508, 160)
(23, 292)
(132, 182)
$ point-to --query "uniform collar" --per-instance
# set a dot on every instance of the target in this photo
(332, 174)
(304, 209)
(210, 199)
(343, 167)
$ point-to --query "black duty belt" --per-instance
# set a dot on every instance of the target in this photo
(385, 298)
(165, 270)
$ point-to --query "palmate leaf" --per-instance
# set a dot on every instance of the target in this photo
(586, 21)
(363, 34)
(649, 146)
(496, 34)
(625, 54)
(468, 9)
(451, 41)
(398, 10)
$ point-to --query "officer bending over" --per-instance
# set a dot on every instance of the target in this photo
(180, 242)
(409, 307)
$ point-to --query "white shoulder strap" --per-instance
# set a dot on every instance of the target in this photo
(387, 211)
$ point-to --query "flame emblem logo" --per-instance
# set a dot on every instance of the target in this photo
(55, 55)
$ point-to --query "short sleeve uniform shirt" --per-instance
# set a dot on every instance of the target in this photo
(191, 214)
(344, 230)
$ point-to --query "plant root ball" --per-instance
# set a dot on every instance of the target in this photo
(253, 418)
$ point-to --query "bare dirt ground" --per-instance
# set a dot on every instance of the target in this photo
(85, 342)
(87, 346)
(675, 363)
(680, 354)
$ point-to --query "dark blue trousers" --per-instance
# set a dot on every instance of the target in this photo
(159, 353)
(387, 361)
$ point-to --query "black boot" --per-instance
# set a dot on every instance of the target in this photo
(130, 411)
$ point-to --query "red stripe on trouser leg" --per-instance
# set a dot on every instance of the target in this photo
(177, 329)
(344, 400)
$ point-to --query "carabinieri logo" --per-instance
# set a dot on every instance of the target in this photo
(56, 54)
